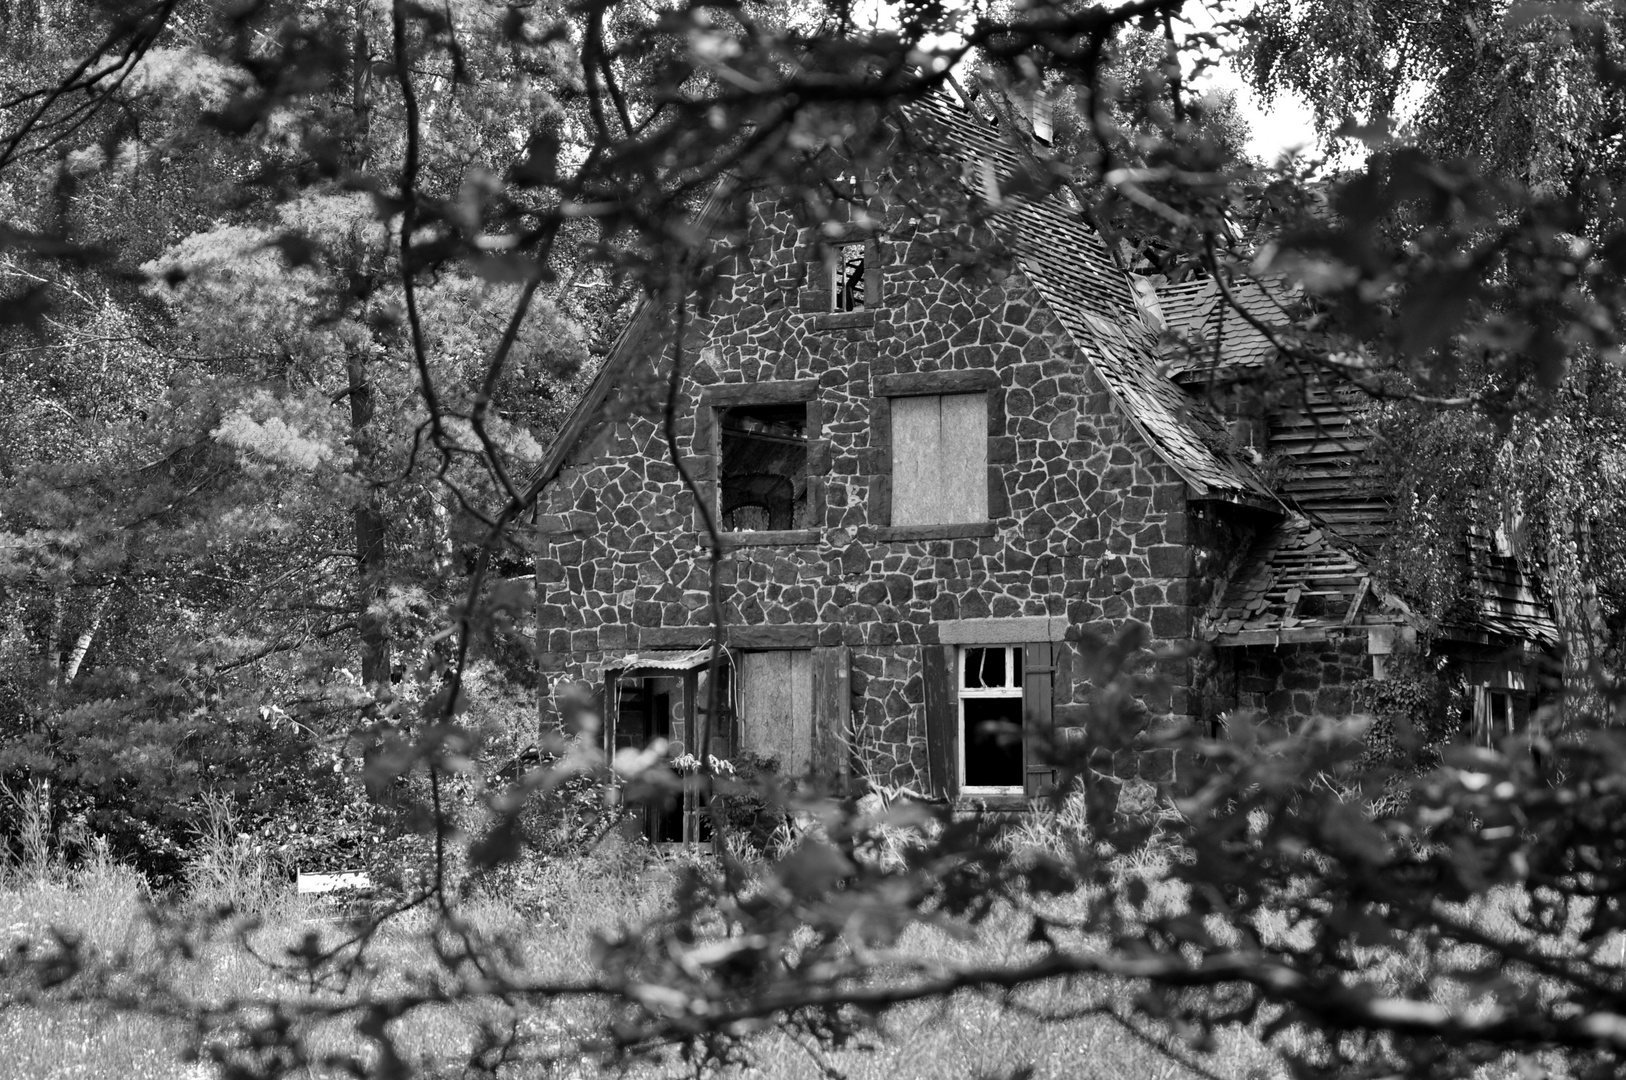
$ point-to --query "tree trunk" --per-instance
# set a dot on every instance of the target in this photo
(53, 644)
(361, 81)
(88, 634)
(372, 560)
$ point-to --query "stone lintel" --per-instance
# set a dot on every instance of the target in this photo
(782, 392)
(787, 636)
(673, 637)
(783, 636)
(1002, 631)
(916, 383)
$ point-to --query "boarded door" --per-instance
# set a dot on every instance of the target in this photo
(776, 707)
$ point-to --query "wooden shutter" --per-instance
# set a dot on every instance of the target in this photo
(832, 712)
(1038, 683)
(937, 669)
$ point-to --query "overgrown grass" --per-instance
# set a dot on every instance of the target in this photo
(550, 912)
(105, 905)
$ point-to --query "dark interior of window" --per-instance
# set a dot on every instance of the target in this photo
(848, 283)
(762, 481)
(993, 725)
(993, 742)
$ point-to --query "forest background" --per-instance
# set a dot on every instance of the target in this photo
(296, 293)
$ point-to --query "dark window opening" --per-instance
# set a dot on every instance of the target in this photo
(762, 479)
(993, 742)
(847, 278)
(991, 705)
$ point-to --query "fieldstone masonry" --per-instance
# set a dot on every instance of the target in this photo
(1087, 522)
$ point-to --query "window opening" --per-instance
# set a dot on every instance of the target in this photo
(762, 482)
(847, 278)
(1499, 717)
(990, 691)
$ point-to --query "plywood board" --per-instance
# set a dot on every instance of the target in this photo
(963, 466)
(939, 459)
(776, 707)
(916, 430)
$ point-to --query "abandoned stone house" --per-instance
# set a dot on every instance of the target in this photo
(931, 486)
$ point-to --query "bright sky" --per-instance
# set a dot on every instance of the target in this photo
(1284, 123)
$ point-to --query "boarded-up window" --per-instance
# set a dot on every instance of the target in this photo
(776, 707)
(939, 459)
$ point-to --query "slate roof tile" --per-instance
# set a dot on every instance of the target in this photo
(1094, 300)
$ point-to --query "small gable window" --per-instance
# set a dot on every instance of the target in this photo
(847, 277)
(939, 459)
(762, 474)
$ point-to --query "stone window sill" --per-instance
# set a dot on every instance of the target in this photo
(770, 538)
(960, 531)
(841, 320)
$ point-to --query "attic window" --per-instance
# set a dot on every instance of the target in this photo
(762, 478)
(847, 278)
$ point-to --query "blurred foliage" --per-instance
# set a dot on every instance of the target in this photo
(295, 292)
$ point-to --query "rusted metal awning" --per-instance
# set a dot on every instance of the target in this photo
(663, 660)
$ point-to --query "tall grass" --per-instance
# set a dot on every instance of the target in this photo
(227, 869)
(33, 853)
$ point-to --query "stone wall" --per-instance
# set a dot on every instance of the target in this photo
(1088, 523)
(1292, 683)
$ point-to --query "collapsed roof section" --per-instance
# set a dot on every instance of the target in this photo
(1298, 583)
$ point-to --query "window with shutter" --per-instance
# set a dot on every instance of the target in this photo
(988, 719)
(989, 689)
(939, 459)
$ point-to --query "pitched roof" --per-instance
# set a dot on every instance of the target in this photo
(1095, 302)
(1205, 334)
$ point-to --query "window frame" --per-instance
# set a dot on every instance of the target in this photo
(815, 298)
(833, 277)
(1000, 449)
(1042, 673)
(1516, 719)
(706, 448)
(1014, 690)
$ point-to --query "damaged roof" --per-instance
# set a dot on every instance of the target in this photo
(1095, 302)
(1298, 581)
(1204, 334)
